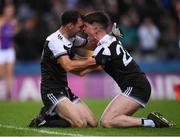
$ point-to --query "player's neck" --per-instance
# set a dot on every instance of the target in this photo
(64, 32)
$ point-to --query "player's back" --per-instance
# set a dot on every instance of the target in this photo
(121, 66)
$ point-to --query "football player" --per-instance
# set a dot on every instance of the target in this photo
(119, 64)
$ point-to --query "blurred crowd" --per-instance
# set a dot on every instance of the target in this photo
(150, 28)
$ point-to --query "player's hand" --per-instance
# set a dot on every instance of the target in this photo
(70, 51)
(116, 31)
(102, 59)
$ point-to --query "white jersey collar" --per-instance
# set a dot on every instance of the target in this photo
(107, 39)
(105, 42)
(66, 41)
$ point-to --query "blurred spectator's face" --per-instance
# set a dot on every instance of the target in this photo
(9, 11)
(126, 21)
(148, 22)
(30, 23)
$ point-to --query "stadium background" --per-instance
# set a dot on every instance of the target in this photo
(161, 63)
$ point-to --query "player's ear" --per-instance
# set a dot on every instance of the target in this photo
(97, 27)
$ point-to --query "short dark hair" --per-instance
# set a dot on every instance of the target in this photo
(70, 16)
(98, 16)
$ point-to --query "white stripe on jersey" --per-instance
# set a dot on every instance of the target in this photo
(125, 92)
(52, 98)
(49, 96)
(128, 91)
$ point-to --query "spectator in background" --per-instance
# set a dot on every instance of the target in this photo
(177, 9)
(57, 7)
(112, 9)
(29, 40)
(134, 17)
(179, 45)
(148, 35)
(129, 39)
(169, 41)
(8, 28)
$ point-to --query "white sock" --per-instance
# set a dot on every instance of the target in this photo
(148, 123)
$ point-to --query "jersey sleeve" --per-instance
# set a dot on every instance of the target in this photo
(57, 48)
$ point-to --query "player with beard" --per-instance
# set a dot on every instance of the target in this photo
(62, 108)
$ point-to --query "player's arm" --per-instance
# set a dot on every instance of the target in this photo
(85, 71)
(16, 26)
(75, 65)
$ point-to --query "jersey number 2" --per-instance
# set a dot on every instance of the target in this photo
(126, 56)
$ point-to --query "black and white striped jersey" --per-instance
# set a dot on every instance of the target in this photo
(121, 66)
(52, 74)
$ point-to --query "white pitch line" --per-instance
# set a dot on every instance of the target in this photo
(38, 130)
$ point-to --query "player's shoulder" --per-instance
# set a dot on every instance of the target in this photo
(53, 36)
(107, 40)
(104, 43)
(55, 39)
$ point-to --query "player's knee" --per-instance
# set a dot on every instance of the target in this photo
(105, 122)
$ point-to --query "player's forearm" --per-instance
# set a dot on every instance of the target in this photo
(78, 73)
(78, 65)
(86, 71)
(83, 72)
(75, 65)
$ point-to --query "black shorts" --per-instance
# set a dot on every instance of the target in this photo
(139, 91)
(51, 97)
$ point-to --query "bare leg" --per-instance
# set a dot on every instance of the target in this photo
(2, 71)
(118, 113)
(68, 111)
(87, 113)
(9, 77)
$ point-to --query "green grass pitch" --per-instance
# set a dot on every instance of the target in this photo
(15, 116)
